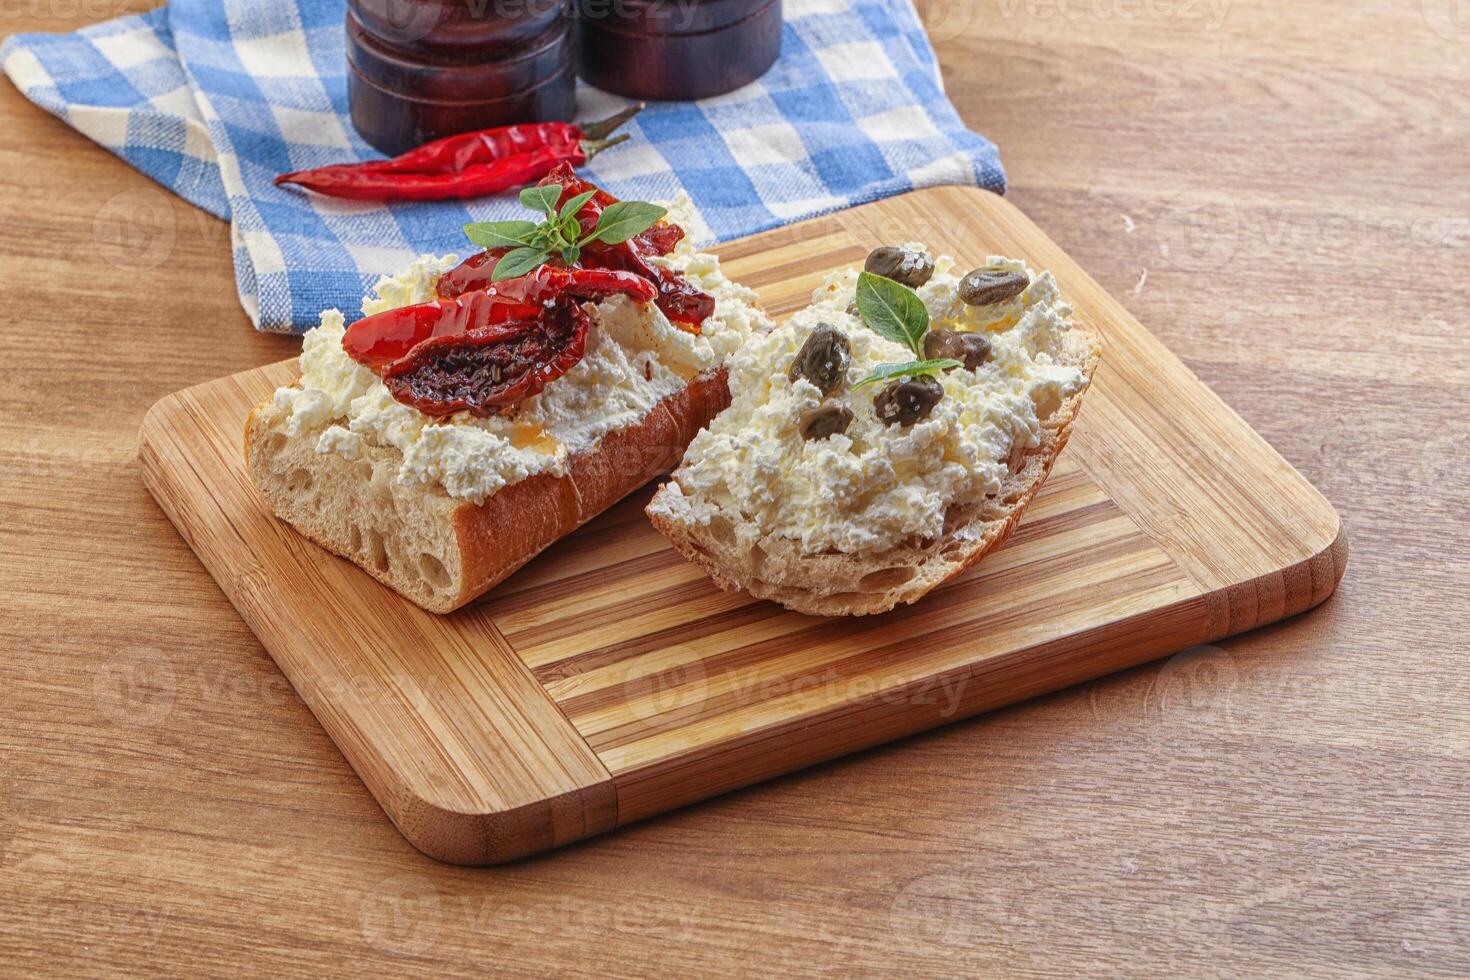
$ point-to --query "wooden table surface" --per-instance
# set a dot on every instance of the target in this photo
(1278, 190)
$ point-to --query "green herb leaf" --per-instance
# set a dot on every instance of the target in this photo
(518, 262)
(893, 310)
(623, 220)
(575, 204)
(909, 369)
(500, 234)
(542, 199)
(532, 244)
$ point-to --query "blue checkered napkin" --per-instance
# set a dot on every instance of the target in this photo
(214, 98)
(120, 83)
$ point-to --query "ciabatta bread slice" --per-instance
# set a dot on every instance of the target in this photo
(738, 556)
(441, 551)
(443, 507)
(874, 515)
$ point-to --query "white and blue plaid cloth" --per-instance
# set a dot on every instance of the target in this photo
(214, 98)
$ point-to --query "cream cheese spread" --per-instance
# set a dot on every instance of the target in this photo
(635, 358)
(876, 486)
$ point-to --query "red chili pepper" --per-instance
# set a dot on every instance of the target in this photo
(468, 165)
(379, 340)
(481, 371)
(454, 153)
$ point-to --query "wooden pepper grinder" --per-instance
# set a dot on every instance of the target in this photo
(676, 49)
(419, 70)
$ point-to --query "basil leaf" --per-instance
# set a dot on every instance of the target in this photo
(571, 254)
(623, 220)
(517, 262)
(885, 372)
(575, 204)
(499, 234)
(542, 199)
(892, 310)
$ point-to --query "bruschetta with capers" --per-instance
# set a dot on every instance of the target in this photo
(882, 440)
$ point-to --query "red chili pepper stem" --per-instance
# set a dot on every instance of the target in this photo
(606, 127)
(593, 147)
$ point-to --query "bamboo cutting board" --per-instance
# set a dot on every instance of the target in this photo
(609, 680)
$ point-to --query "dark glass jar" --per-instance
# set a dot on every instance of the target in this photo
(677, 49)
(419, 70)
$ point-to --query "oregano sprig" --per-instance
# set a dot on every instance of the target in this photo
(893, 310)
(909, 369)
(532, 244)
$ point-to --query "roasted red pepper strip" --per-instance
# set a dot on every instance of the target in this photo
(486, 369)
(467, 165)
(378, 340)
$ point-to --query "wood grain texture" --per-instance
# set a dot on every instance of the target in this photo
(1168, 524)
(443, 722)
(1291, 801)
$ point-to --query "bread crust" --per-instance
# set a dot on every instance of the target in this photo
(509, 529)
(441, 552)
(737, 555)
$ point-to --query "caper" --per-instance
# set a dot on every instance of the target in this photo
(824, 421)
(823, 359)
(908, 401)
(986, 287)
(973, 349)
(902, 265)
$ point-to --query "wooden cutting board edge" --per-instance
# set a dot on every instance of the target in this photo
(554, 788)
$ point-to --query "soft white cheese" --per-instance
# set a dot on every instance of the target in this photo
(635, 358)
(875, 486)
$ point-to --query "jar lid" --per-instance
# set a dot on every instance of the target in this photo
(432, 78)
(668, 17)
(689, 58)
(394, 122)
(456, 27)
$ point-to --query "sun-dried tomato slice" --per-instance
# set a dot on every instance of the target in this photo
(680, 302)
(379, 340)
(486, 369)
(548, 282)
(660, 239)
(471, 275)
